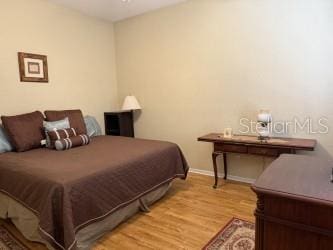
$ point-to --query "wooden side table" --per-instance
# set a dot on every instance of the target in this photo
(246, 144)
(119, 123)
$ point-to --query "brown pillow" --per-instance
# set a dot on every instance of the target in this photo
(75, 119)
(58, 134)
(72, 142)
(25, 131)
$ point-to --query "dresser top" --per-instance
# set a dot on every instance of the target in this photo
(304, 144)
(300, 177)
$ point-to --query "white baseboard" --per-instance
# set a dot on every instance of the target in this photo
(230, 177)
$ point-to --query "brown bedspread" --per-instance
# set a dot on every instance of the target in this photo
(68, 190)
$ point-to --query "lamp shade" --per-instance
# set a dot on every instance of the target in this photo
(264, 116)
(131, 103)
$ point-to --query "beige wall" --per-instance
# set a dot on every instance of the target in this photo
(80, 57)
(200, 66)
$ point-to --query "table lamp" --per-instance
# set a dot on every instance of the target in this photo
(131, 103)
(264, 118)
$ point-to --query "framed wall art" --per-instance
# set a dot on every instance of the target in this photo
(33, 67)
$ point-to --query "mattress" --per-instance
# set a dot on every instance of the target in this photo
(70, 190)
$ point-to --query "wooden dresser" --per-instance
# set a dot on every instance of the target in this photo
(295, 205)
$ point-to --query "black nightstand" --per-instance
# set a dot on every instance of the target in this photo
(119, 123)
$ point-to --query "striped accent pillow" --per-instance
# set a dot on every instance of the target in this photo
(59, 134)
(72, 142)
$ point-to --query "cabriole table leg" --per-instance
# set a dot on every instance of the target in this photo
(214, 156)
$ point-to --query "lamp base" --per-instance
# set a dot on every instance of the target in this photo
(263, 138)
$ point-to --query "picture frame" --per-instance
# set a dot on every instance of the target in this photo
(33, 67)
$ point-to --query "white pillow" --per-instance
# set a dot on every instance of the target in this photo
(93, 128)
(5, 145)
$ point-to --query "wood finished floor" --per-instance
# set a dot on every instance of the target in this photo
(186, 218)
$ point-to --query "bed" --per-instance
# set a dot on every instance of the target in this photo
(68, 199)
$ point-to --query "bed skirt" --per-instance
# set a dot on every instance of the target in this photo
(27, 222)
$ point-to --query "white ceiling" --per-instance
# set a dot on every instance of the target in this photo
(115, 10)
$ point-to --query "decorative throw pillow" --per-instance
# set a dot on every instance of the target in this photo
(25, 131)
(5, 145)
(61, 124)
(75, 119)
(51, 126)
(76, 141)
(93, 128)
(60, 134)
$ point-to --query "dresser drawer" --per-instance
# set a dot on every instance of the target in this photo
(231, 148)
(264, 151)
